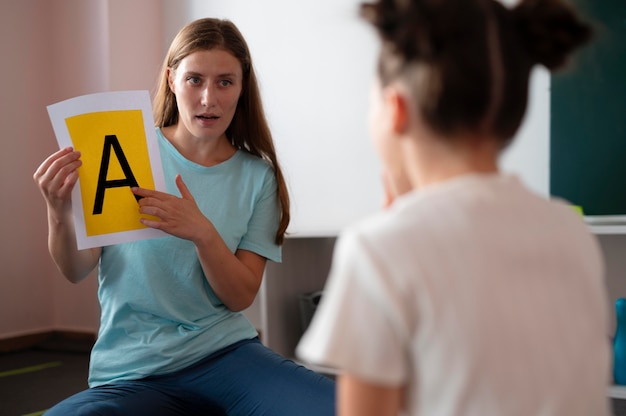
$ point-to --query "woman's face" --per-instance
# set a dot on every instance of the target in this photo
(207, 85)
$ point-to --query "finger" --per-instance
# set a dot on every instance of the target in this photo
(50, 160)
(151, 223)
(61, 173)
(60, 177)
(61, 166)
(139, 191)
(69, 183)
(152, 210)
(145, 193)
(184, 191)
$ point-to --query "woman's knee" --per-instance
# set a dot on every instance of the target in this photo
(126, 399)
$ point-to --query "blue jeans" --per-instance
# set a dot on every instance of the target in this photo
(245, 380)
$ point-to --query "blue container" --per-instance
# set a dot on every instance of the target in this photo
(619, 343)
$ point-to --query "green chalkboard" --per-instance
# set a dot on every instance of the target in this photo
(588, 116)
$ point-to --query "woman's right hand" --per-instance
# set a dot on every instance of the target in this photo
(56, 178)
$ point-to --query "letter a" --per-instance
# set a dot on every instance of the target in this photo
(110, 141)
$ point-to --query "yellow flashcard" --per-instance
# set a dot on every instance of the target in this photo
(115, 134)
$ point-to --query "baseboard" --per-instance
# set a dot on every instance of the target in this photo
(23, 342)
(53, 340)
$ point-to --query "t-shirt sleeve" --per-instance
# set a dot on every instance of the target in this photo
(261, 232)
(358, 327)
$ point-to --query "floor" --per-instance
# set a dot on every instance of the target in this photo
(33, 380)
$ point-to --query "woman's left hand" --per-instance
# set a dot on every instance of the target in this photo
(234, 277)
(179, 217)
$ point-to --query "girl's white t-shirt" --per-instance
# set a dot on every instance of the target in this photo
(479, 296)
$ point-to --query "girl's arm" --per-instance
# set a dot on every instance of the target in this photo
(356, 397)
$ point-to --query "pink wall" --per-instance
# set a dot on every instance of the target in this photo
(53, 50)
(135, 44)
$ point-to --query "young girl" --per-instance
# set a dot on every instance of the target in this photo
(172, 340)
(469, 295)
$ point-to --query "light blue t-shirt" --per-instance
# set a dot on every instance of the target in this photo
(159, 313)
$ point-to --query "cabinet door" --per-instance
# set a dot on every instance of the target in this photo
(588, 123)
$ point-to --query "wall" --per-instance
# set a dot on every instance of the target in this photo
(54, 50)
(79, 36)
(25, 281)
(315, 62)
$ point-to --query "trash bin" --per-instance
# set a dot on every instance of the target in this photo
(308, 304)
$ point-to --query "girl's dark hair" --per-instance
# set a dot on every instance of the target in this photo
(249, 129)
(468, 62)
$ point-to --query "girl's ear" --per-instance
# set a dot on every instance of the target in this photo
(397, 110)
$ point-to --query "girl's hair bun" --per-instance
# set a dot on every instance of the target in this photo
(550, 30)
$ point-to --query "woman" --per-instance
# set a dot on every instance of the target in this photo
(172, 340)
(469, 295)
